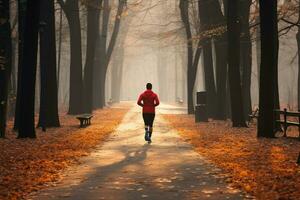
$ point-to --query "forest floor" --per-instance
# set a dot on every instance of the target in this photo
(126, 167)
(110, 160)
(28, 165)
(265, 168)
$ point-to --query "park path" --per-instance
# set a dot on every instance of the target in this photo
(126, 167)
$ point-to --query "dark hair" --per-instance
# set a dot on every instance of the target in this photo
(149, 86)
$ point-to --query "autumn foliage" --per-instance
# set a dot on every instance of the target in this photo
(27, 165)
(265, 168)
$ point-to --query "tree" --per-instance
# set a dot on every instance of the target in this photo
(269, 55)
(206, 23)
(71, 10)
(117, 65)
(93, 12)
(233, 27)
(5, 62)
(48, 97)
(29, 60)
(104, 50)
(298, 45)
(246, 55)
(192, 61)
(216, 21)
(21, 27)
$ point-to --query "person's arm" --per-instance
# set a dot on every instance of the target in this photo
(156, 100)
(139, 102)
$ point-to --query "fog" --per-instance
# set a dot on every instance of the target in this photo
(154, 50)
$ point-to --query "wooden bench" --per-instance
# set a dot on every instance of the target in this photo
(85, 119)
(253, 115)
(284, 122)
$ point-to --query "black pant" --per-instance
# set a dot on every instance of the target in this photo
(148, 119)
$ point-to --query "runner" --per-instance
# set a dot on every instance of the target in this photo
(148, 100)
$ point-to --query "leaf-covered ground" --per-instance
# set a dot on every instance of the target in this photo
(265, 168)
(27, 165)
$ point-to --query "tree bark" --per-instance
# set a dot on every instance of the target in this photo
(246, 56)
(269, 55)
(233, 26)
(5, 61)
(221, 76)
(71, 11)
(184, 11)
(209, 78)
(298, 44)
(93, 9)
(117, 73)
(206, 23)
(100, 59)
(117, 67)
(48, 96)
(107, 52)
(29, 60)
(220, 42)
(21, 26)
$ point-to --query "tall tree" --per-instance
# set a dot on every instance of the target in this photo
(206, 24)
(28, 74)
(246, 55)
(71, 10)
(21, 27)
(298, 45)
(105, 49)
(233, 27)
(117, 65)
(100, 58)
(48, 96)
(93, 12)
(5, 61)
(269, 56)
(217, 20)
(192, 62)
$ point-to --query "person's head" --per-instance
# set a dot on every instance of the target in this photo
(149, 86)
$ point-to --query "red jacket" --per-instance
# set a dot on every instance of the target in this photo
(148, 100)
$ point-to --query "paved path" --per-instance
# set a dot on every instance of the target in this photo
(126, 167)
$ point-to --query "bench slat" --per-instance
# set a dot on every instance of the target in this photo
(288, 123)
(293, 114)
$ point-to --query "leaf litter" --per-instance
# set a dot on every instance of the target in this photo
(28, 165)
(264, 168)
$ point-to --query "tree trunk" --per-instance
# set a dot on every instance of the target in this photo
(5, 61)
(221, 76)
(184, 6)
(298, 44)
(209, 78)
(117, 73)
(269, 55)
(93, 9)
(246, 56)
(99, 95)
(49, 98)
(107, 52)
(233, 26)
(71, 10)
(29, 60)
(215, 20)
(21, 26)
(162, 73)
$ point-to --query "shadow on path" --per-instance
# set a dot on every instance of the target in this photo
(127, 168)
